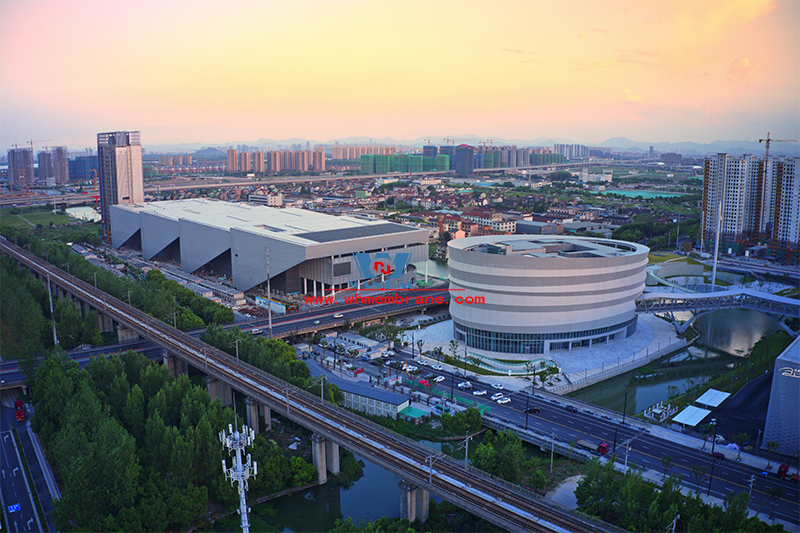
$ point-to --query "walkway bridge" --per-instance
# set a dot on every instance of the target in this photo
(422, 470)
(669, 303)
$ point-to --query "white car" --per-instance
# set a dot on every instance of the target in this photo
(423, 362)
(438, 379)
(479, 393)
(496, 396)
(411, 368)
(465, 385)
(338, 315)
(498, 386)
(437, 367)
(504, 400)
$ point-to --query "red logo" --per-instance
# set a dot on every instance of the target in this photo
(378, 266)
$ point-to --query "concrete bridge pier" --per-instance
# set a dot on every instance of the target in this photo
(332, 456)
(175, 365)
(318, 452)
(219, 390)
(252, 413)
(414, 502)
(124, 334)
(104, 323)
(267, 413)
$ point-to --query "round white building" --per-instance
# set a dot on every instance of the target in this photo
(533, 294)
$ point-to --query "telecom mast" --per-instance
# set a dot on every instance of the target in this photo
(238, 441)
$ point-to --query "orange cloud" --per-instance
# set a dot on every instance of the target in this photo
(741, 70)
(631, 96)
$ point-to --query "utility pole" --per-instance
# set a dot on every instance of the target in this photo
(713, 458)
(269, 295)
(625, 408)
(552, 449)
(52, 314)
(750, 490)
(236, 343)
(240, 472)
(466, 450)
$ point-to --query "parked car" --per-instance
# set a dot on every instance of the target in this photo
(498, 386)
(504, 400)
(496, 396)
(359, 370)
(479, 393)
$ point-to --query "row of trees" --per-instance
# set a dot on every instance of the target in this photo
(164, 299)
(631, 503)
(136, 450)
(502, 455)
(657, 234)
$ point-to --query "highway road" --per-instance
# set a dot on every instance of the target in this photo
(646, 450)
(18, 505)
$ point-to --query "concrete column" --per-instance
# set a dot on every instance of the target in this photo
(125, 334)
(314, 284)
(267, 412)
(252, 414)
(104, 323)
(332, 456)
(175, 365)
(423, 504)
(318, 451)
(218, 389)
(408, 504)
(414, 502)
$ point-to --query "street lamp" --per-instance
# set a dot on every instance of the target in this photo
(713, 457)
(625, 408)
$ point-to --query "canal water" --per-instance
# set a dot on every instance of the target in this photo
(725, 336)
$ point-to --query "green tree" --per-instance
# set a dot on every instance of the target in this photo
(740, 440)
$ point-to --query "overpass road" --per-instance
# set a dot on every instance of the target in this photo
(503, 504)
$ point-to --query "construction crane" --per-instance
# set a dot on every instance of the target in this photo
(447, 140)
(429, 141)
(768, 140)
(38, 141)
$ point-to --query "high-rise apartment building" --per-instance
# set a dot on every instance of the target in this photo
(121, 177)
(259, 165)
(84, 168)
(244, 162)
(20, 167)
(758, 201)
(430, 151)
(572, 150)
(233, 160)
(61, 164)
(465, 156)
(45, 158)
(319, 159)
(273, 162)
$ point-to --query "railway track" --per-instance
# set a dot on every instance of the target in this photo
(499, 502)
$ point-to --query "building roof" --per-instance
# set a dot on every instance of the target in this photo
(298, 226)
(376, 393)
(712, 398)
(551, 246)
(691, 416)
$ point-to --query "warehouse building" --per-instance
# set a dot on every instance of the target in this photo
(305, 251)
(534, 294)
(783, 417)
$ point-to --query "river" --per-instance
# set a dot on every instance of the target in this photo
(725, 336)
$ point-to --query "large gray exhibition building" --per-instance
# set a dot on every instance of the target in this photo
(309, 252)
(543, 293)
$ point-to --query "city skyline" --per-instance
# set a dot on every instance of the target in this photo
(668, 71)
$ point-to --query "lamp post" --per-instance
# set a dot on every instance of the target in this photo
(713, 457)
(625, 408)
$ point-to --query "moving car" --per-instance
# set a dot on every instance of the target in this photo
(498, 386)
(438, 379)
(479, 393)
(504, 400)
(496, 396)
(464, 385)
(437, 367)
(338, 315)
(316, 322)
(531, 410)
(718, 455)
(571, 408)
(423, 362)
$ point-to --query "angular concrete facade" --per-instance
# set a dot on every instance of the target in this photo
(543, 293)
(783, 415)
(309, 252)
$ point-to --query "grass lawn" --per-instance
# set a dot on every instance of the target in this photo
(25, 220)
(660, 258)
(13, 221)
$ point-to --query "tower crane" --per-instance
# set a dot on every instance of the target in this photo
(447, 140)
(769, 140)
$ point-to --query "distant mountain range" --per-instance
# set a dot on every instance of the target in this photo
(210, 151)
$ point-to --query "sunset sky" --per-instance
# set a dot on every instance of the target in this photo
(218, 72)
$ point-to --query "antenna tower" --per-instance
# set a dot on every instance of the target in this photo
(240, 472)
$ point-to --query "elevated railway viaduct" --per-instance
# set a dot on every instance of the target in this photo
(422, 471)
